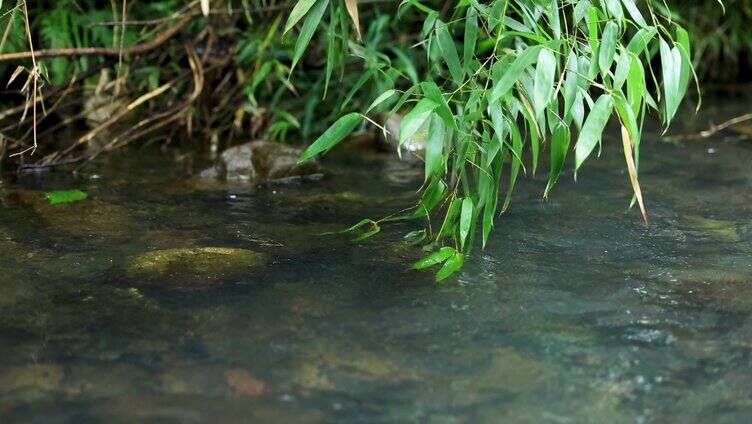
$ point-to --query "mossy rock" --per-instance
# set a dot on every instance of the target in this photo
(194, 267)
(86, 218)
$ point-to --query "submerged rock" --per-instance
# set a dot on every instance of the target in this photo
(387, 139)
(329, 366)
(194, 267)
(260, 161)
(87, 218)
(416, 144)
(28, 382)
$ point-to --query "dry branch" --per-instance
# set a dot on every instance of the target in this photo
(136, 49)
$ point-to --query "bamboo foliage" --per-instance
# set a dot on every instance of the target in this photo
(505, 80)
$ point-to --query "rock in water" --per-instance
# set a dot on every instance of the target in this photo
(260, 161)
(416, 144)
(90, 218)
(194, 267)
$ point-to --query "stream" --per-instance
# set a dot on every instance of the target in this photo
(575, 311)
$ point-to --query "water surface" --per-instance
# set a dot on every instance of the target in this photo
(574, 312)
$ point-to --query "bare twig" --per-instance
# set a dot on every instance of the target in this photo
(733, 121)
(102, 51)
(35, 79)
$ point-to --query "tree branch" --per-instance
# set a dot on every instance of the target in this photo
(101, 51)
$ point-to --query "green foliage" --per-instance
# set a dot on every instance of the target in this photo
(65, 196)
(528, 76)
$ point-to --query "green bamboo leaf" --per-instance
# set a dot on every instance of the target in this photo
(431, 197)
(435, 147)
(535, 136)
(466, 218)
(623, 63)
(671, 64)
(627, 116)
(608, 47)
(449, 51)
(635, 84)
(559, 148)
(569, 88)
(406, 64)
(435, 258)
(65, 196)
(634, 13)
(492, 200)
(333, 135)
(312, 21)
(373, 230)
(297, 13)
(471, 36)
(614, 8)
(447, 228)
(580, 11)
(555, 19)
(592, 130)
(381, 99)
(513, 73)
(433, 93)
(414, 120)
(358, 84)
(452, 265)
(515, 168)
(544, 81)
(640, 40)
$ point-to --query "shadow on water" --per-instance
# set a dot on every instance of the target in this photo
(162, 301)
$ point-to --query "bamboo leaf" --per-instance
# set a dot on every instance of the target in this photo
(614, 8)
(435, 258)
(336, 133)
(544, 81)
(449, 224)
(471, 36)
(449, 51)
(414, 120)
(634, 13)
(640, 40)
(381, 99)
(671, 70)
(451, 266)
(352, 10)
(65, 196)
(435, 147)
(513, 73)
(433, 93)
(608, 47)
(466, 218)
(298, 11)
(309, 27)
(592, 130)
(559, 148)
(516, 163)
(627, 145)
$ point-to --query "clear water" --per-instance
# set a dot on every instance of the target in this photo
(575, 312)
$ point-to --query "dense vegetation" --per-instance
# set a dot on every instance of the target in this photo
(498, 88)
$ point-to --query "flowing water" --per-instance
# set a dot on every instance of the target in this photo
(574, 312)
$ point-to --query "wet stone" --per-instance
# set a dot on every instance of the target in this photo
(88, 218)
(71, 320)
(29, 382)
(194, 267)
(244, 384)
(327, 367)
(260, 161)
